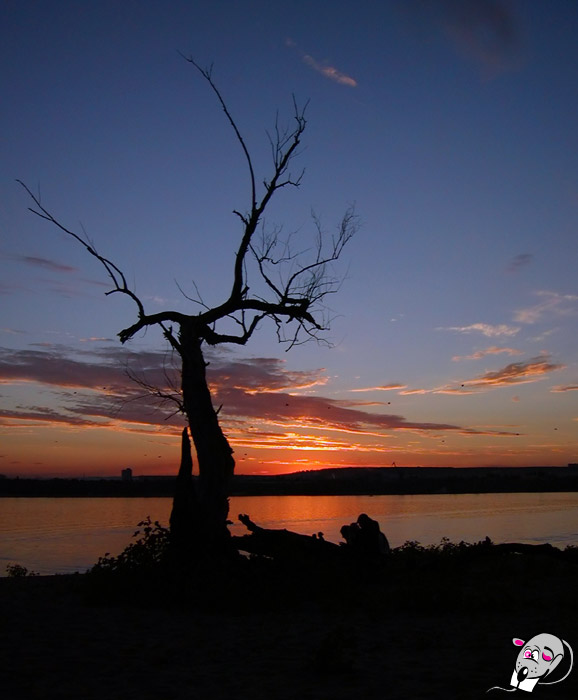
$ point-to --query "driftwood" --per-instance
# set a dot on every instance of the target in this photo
(362, 546)
(284, 544)
(519, 548)
(365, 545)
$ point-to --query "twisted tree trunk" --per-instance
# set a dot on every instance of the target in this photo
(207, 505)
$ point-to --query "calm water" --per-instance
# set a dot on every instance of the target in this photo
(62, 535)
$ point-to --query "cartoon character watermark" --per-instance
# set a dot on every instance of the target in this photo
(536, 661)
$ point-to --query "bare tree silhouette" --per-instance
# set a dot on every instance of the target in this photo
(291, 290)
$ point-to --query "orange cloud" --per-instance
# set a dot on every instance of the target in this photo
(552, 304)
(381, 387)
(515, 373)
(485, 328)
(494, 350)
(567, 387)
(329, 72)
(263, 375)
(89, 389)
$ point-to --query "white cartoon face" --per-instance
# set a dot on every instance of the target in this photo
(538, 657)
(536, 660)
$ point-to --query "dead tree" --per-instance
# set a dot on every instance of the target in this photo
(295, 285)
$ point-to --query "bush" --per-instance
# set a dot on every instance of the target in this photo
(19, 571)
(147, 554)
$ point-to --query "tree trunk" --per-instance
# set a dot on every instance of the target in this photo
(181, 521)
(210, 535)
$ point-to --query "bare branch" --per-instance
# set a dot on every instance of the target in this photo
(207, 75)
(301, 280)
(198, 301)
(214, 338)
(165, 396)
(144, 321)
(115, 274)
(169, 335)
(286, 151)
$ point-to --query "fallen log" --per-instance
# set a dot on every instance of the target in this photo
(520, 548)
(284, 544)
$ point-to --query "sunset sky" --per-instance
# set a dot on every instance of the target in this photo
(452, 127)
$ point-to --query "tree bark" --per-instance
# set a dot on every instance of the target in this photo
(181, 520)
(210, 534)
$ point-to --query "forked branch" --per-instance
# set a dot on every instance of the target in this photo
(294, 298)
(114, 272)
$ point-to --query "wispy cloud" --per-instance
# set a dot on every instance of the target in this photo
(317, 412)
(494, 350)
(328, 71)
(552, 304)
(8, 288)
(13, 331)
(563, 388)
(349, 403)
(104, 369)
(46, 264)
(263, 375)
(515, 373)
(485, 31)
(381, 387)
(41, 414)
(255, 392)
(95, 340)
(485, 328)
(519, 261)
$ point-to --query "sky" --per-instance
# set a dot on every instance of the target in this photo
(450, 126)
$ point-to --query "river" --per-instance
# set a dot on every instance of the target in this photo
(63, 535)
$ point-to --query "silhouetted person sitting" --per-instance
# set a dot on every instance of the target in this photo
(370, 539)
(365, 539)
(349, 532)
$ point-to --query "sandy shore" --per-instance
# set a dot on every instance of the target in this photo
(419, 636)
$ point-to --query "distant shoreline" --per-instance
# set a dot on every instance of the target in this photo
(325, 482)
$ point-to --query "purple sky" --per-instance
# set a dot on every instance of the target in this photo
(450, 125)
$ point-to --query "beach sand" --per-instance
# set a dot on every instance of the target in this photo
(423, 635)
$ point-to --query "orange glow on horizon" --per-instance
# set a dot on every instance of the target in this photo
(41, 446)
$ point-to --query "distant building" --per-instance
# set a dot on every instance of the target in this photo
(126, 474)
